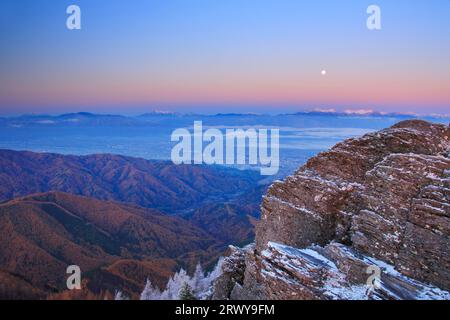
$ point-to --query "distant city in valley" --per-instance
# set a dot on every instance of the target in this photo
(302, 134)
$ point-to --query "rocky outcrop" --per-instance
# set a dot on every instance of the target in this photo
(233, 268)
(379, 203)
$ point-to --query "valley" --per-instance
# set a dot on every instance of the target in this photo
(121, 219)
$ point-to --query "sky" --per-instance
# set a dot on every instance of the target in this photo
(224, 56)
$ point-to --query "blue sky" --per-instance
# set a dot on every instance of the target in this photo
(217, 55)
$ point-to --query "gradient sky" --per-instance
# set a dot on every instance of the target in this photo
(224, 56)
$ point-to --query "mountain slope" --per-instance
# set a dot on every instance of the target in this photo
(40, 235)
(233, 221)
(151, 184)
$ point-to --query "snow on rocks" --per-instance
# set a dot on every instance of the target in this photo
(380, 200)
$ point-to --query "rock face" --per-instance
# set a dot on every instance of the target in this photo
(379, 203)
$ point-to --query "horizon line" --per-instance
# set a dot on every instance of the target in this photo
(317, 111)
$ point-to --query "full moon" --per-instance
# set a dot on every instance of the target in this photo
(323, 72)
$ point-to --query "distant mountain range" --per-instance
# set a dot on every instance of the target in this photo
(156, 116)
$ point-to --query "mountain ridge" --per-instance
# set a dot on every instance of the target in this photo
(42, 234)
(148, 183)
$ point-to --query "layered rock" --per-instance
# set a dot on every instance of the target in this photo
(379, 202)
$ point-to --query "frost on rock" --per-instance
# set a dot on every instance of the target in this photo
(327, 274)
(380, 201)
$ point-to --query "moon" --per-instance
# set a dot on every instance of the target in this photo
(323, 72)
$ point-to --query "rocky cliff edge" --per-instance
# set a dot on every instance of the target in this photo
(368, 219)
